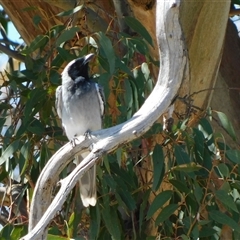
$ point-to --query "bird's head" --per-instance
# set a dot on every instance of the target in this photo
(78, 68)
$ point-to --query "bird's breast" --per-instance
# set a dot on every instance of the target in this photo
(81, 111)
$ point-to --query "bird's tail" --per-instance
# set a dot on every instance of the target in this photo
(87, 183)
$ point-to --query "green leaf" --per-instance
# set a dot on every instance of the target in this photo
(135, 25)
(227, 200)
(127, 199)
(55, 237)
(199, 143)
(227, 125)
(111, 220)
(5, 106)
(35, 97)
(18, 232)
(145, 70)
(72, 226)
(56, 63)
(224, 219)
(191, 167)
(36, 20)
(9, 151)
(24, 157)
(6, 231)
(223, 170)
(181, 156)
(67, 35)
(206, 232)
(39, 42)
(236, 2)
(166, 213)
(36, 127)
(192, 203)
(103, 80)
(122, 66)
(2, 121)
(29, 9)
(198, 193)
(205, 127)
(158, 202)
(124, 193)
(4, 23)
(95, 222)
(233, 156)
(158, 166)
(128, 98)
(236, 185)
(55, 30)
(180, 186)
(119, 153)
(135, 95)
(107, 51)
(66, 56)
(139, 46)
(3, 174)
(184, 237)
(70, 12)
(142, 210)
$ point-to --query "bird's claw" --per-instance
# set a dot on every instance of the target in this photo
(87, 134)
(73, 141)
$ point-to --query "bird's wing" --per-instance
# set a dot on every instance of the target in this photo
(101, 98)
(58, 101)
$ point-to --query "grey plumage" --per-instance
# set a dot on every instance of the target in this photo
(80, 105)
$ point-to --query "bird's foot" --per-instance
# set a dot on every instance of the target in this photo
(87, 134)
(73, 141)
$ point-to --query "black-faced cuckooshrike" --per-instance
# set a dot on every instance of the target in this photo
(80, 105)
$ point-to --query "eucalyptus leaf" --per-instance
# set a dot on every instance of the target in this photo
(158, 202)
(180, 186)
(67, 35)
(181, 156)
(24, 157)
(9, 151)
(166, 213)
(233, 155)
(108, 52)
(224, 219)
(71, 11)
(226, 199)
(135, 25)
(95, 222)
(227, 124)
(110, 218)
(158, 166)
(38, 43)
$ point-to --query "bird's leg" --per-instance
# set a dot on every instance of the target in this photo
(87, 134)
(73, 141)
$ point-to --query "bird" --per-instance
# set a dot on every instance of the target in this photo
(80, 105)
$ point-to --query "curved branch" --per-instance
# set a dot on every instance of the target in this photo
(173, 64)
(12, 53)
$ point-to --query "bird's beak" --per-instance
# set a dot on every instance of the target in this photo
(88, 57)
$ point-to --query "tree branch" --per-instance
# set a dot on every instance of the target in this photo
(12, 53)
(122, 10)
(173, 65)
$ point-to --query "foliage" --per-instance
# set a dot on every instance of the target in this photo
(235, 2)
(197, 165)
